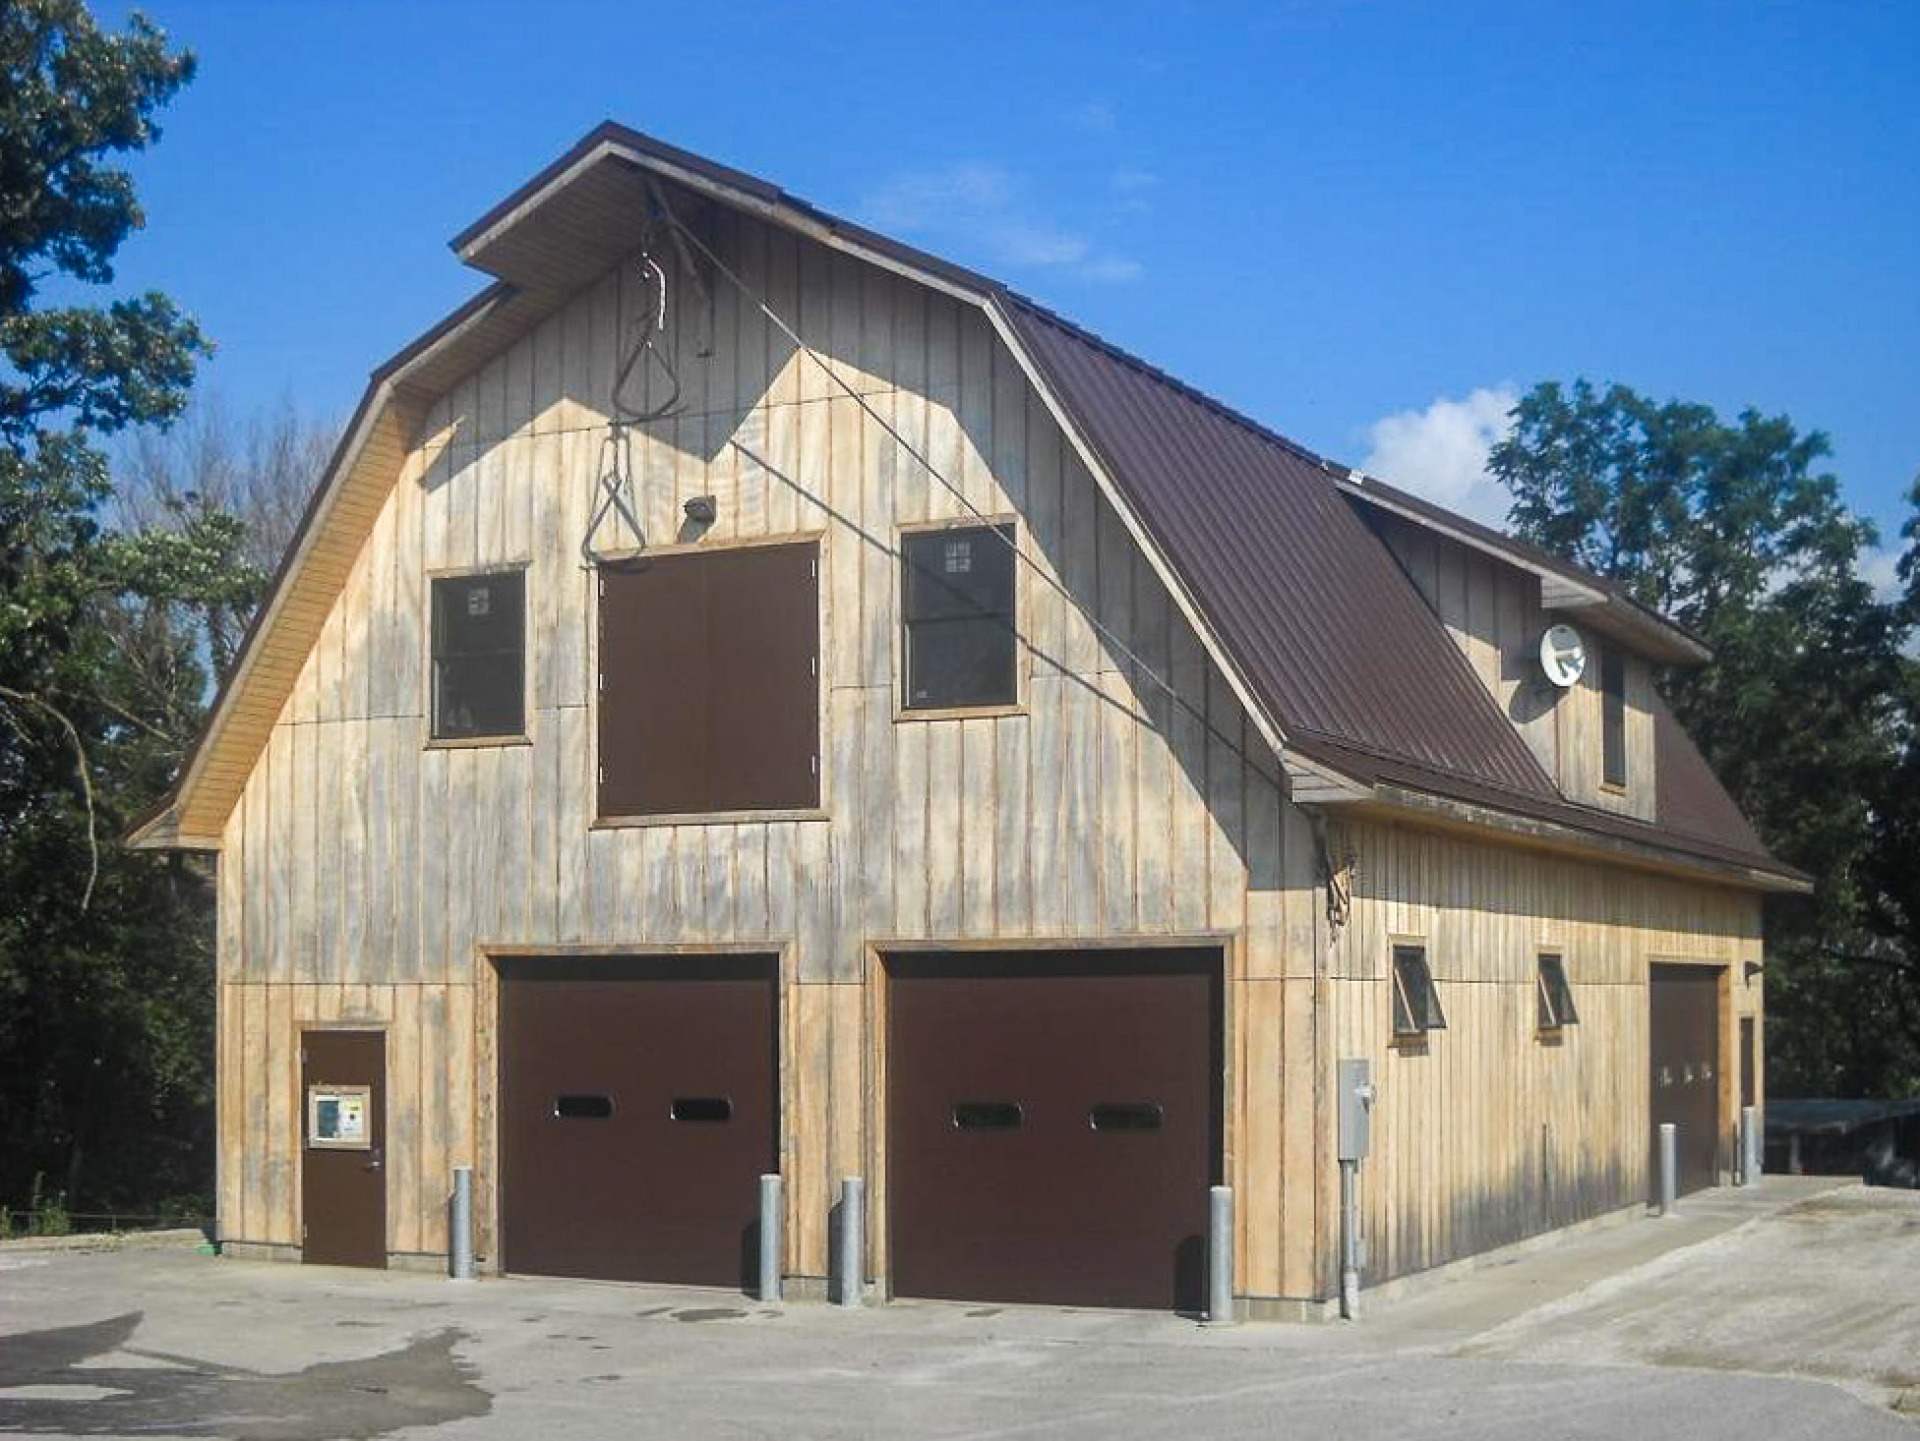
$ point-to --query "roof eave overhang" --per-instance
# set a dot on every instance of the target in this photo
(1646, 632)
(1388, 801)
(178, 821)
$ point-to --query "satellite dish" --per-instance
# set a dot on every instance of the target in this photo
(1563, 656)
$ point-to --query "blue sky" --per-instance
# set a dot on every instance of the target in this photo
(1366, 224)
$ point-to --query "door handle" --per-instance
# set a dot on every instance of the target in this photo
(374, 1159)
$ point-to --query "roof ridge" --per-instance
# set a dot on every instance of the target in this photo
(1173, 382)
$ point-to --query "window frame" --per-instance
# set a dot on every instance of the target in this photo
(1613, 718)
(1422, 1014)
(430, 667)
(906, 533)
(1554, 1008)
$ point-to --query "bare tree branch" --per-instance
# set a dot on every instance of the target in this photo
(86, 780)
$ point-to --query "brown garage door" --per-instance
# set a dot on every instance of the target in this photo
(1685, 1080)
(637, 1112)
(1053, 1124)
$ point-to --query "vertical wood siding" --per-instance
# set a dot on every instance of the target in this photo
(1490, 1131)
(368, 872)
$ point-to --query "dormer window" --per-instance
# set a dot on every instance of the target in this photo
(1613, 718)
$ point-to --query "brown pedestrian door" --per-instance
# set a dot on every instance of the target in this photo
(1053, 1125)
(1685, 1079)
(343, 1179)
(638, 1111)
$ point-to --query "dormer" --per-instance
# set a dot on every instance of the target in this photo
(1591, 715)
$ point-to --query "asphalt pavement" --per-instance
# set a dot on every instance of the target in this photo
(1790, 1311)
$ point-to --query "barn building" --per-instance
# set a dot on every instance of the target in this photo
(749, 696)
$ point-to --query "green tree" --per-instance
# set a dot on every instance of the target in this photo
(1735, 531)
(105, 993)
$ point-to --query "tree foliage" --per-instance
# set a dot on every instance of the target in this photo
(1808, 711)
(105, 981)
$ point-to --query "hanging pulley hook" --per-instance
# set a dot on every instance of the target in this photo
(649, 325)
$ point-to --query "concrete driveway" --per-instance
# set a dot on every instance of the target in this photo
(1792, 1312)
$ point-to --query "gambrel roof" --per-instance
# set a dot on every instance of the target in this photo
(1264, 546)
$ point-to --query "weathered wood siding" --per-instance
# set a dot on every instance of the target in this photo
(367, 873)
(1493, 613)
(1491, 1131)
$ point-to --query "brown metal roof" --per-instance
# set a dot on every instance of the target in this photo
(1357, 670)
(1312, 606)
(1331, 638)
(1688, 796)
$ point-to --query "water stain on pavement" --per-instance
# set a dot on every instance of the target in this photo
(44, 1389)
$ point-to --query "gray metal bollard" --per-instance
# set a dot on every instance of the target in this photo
(1752, 1158)
(1669, 1168)
(853, 1230)
(771, 1215)
(461, 1224)
(1220, 1310)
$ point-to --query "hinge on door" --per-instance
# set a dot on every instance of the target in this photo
(813, 569)
(813, 765)
(603, 680)
(813, 666)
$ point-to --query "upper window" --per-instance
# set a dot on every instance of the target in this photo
(479, 655)
(1554, 995)
(1416, 1001)
(709, 685)
(958, 607)
(1613, 716)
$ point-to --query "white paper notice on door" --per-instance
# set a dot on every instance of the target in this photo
(338, 1117)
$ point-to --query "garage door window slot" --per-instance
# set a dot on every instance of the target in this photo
(988, 1116)
(1126, 1116)
(583, 1108)
(703, 1109)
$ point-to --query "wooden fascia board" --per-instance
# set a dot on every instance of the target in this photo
(1570, 592)
(468, 247)
(1390, 802)
(802, 222)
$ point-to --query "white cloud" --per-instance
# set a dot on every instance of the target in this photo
(1098, 117)
(922, 198)
(1879, 568)
(1441, 452)
(1116, 269)
(1019, 243)
(986, 204)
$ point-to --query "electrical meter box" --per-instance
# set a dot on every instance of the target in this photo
(1356, 1109)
